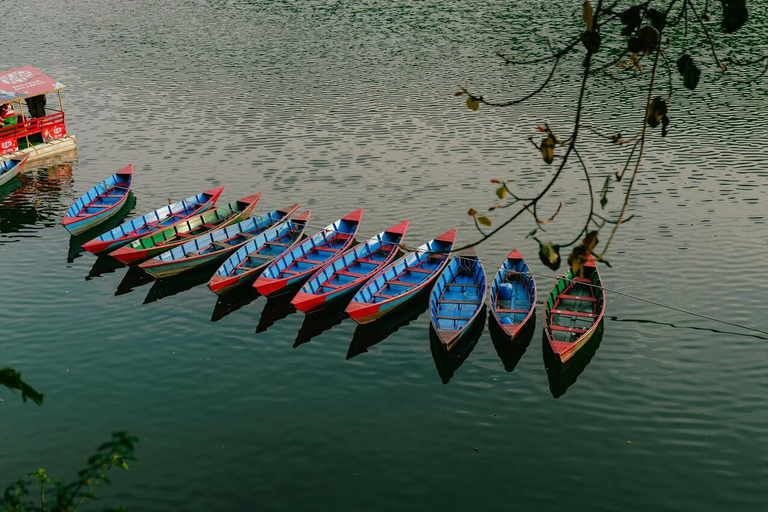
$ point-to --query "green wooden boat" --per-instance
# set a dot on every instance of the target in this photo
(178, 234)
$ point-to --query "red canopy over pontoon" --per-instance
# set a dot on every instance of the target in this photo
(18, 84)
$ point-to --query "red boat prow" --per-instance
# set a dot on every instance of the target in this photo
(307, 302)
(268, 286)
(129, 256)
(355, 216)
(449, 236)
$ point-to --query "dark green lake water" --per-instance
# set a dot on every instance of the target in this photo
(340, 105)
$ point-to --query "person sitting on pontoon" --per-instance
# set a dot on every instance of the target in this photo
(8, 116)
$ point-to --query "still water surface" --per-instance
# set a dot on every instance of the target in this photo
(247, 405)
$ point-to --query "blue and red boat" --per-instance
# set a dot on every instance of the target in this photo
(11, 168)
(214, 246)
(350, 270)
(513, 294)
(457, 298)
(401, 280)
(100, 203)
(297, 265)
(153, 221)
(245, 264)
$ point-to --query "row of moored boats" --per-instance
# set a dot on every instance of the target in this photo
(271, 253)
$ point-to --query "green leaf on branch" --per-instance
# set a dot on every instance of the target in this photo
(482, 219)
(657, 110)
(533, 232)
(580, 254)
(657, 18)
(631, 19)
(501, 192)
(645, 41)
(549, 254)
(735, 15)
(11, 379)
(548, 149)
(603, 202)
(690, 72)
(473, 103)
(588, 15)
(471, 212)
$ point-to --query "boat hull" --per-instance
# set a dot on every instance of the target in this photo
(178, 266)
(80, 227)
(365, 313)
(14, 171)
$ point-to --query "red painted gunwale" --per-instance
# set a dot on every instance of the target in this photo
(269, 287)
(307, 302)
(96, 246)
(566, 350)
(511, 330)
(366, 312)
(126, 171)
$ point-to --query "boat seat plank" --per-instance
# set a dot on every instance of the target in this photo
(279, 244)
(306, 260)
(246, 235)
(448, 317)
(449, 301)
(326, 249)
(221, 245)
(572, 313)
(349, 274)
(402, 283)
(512, 311)
(369, 261)
(330, 285)
(465, 285)
(185, 235)
(416, 269)
(576, 297)
(567, 329)
(210, 226)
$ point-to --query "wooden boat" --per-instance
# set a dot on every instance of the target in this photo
(11, 168)
(350, 270)
(457, 298)
(513, 294)
(153, 221)
(99, 203)
(245, 264)
(573, 310)
(153, 244)
(401, 280)
(296, 265)
(214, 246)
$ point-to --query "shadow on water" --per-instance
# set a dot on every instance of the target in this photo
(369, 335)
(562, 376)
(103, 265)
(448, 362)
(76, 242)
(275, 309)
(233, 301)
(317, 323)
(174, 285)
(34, 200)
(134, 278)
(510, 352)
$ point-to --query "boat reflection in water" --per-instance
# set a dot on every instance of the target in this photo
(510, 352)
(233, 301)
(176, 284)
(317, 323)
(134, 278)
(448, 362)
(368, 335)
(34, 200)
(76, 242)
(562, 376)
(103, 265)
(275, 309)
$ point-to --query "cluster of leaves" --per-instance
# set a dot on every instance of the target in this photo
(643, 28)
(68, 497)
(11, 379)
